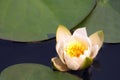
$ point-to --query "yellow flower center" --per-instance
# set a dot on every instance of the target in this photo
(76, 48)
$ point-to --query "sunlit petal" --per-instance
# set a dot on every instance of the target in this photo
(62, 33)
(94, 52)
(74, 63)
(80, 32)
(97, 38)
(60, 51)
(87, 53)
(84, 40)
(59, 65)
(87, 41)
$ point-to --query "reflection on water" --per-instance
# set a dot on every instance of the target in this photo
(105, 67)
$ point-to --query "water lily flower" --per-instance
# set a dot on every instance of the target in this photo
(76, 51)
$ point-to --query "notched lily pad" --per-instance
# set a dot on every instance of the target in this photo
(34, 72)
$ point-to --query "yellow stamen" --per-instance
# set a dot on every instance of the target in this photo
(76, 48)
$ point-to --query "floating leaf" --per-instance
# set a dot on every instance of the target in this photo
(106, 17)
(34, 72)
(33, 20)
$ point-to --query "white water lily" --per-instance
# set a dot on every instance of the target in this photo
(76, 51)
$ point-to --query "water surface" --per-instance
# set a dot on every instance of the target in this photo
(107, 62)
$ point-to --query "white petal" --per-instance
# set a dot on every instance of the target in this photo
(80, 32)
(62, 33)
(74, 63)
(87, 53)
(94, 52)
(60, 51)
(59, 65)
(85, 40)
(97, 38)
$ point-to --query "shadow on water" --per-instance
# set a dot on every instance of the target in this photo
(105, 67)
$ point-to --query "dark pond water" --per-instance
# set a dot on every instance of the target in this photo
(106, 65)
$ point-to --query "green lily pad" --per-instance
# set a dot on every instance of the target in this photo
(34, 20)
(34, 72)
(106, 17)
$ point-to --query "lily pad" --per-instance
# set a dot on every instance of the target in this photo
(34, 20)
(34, 72)
(106, 17)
